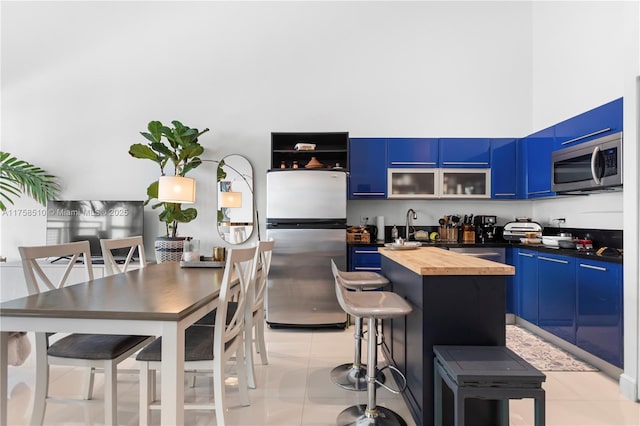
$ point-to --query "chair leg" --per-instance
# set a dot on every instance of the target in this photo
(41, 390)
(88, 383)
(110, 394)
(218, 391)
(262, 347)
(242, 375)
(248, 355)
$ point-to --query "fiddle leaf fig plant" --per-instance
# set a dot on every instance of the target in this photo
(176, 147)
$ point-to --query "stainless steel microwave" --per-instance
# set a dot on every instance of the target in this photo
(589, 166)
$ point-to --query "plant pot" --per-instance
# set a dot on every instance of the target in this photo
(169, 249)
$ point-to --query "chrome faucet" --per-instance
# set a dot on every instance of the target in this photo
(409, 224)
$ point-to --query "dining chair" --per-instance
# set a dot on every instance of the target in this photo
(209, 348)
(96, 351)
(114, 265)
(254, 311)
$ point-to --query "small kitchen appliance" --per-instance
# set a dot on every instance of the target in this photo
(485, 226)
(521, 228)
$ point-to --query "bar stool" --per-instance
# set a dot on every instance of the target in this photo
(353, 375)
(372, 305)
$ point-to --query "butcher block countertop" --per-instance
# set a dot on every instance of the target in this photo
(437, 261)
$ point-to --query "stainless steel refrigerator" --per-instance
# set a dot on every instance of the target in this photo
(306, 216)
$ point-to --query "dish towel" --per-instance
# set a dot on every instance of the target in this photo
(19, 348)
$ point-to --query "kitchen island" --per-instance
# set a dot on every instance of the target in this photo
(456, 300)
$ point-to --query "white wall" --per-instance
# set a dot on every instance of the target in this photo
(80, 80)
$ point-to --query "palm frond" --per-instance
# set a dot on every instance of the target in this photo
(20, 177)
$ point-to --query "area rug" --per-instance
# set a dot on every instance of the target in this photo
(542, 354)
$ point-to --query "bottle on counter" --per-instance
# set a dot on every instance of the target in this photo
(394, 233)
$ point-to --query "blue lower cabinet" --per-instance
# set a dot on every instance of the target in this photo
(557, 295)
(526, 287)
(364, 258)
(599, 310)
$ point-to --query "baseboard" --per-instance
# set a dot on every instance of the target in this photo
(629, 387)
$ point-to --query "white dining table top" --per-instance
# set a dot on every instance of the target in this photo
(159, 292)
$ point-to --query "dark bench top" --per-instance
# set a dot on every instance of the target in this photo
(488, 365)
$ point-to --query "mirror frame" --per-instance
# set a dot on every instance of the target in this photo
(234, 174)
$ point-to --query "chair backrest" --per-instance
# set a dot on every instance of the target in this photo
(334, 269)
(111, 264)
(263, 262)
(241, 266)
(35, 276)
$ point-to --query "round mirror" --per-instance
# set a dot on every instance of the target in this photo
(235, 199)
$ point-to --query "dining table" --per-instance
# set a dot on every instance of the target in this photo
(159, 300)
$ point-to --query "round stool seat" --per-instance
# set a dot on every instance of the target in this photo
(362, 280)
(373, 304)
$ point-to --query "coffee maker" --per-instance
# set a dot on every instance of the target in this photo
(485, 228)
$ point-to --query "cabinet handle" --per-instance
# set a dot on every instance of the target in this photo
(366, 251)
(367, 268)
(525, 254)
(505, 194)
(579, 138)
(597, 268)
(368, 193)
(548, 191)
(413, 163)
(462, 163)
(553, 260)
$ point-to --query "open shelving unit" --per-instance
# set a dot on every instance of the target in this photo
(332, 149)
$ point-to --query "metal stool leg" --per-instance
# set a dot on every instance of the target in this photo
(370, 414)
(353, 376)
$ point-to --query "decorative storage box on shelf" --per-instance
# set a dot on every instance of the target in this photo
(296, 150)
(358, 234)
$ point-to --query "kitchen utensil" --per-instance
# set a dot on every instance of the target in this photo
(441, 222)
(553, 241)
(569, 244)
(406, 245)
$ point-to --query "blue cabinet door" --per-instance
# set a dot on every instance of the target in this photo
(557, 295)
(367, 168)
(412, 152)
(599, 310)
(465, 152)
(536, 162)
(601, 121)
(504, 168)
(527, 285)
(364, 258)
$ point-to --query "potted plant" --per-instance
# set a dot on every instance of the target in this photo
(178, 147)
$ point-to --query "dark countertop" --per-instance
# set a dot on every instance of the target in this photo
(506, 244)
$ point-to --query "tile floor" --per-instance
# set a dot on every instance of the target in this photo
(295, 389)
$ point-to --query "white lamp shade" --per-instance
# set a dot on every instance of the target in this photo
(231, 199)
(176, 189)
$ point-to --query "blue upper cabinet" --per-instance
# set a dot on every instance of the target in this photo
(504, 168)
(465, 152)
(595, 123)
(412, 152)
(367, 168)
(535, 176)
